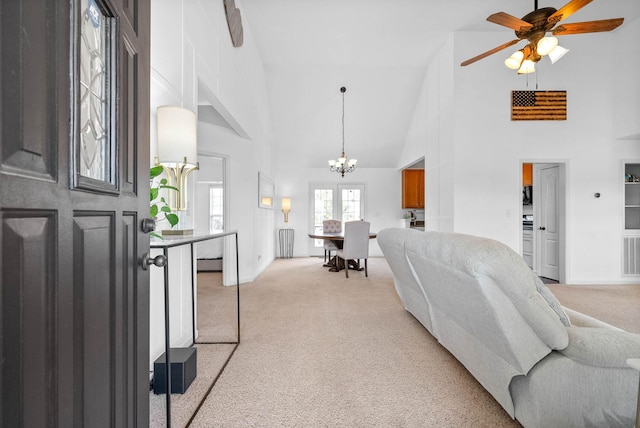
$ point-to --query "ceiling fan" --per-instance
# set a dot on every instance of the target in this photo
(534, 26)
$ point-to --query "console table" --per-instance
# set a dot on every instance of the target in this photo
(165, 244)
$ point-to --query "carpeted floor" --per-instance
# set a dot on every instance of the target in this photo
(320, 350)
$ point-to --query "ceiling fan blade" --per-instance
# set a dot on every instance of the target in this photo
(491, 52)
(568, 9)
(587, 27)
(509, 21)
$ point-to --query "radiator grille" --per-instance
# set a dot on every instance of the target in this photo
(631, 255)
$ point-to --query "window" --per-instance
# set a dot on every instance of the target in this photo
(344, 202)
(322, 210)
(350, 202)
(216, 208)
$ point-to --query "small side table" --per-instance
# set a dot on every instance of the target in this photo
(286, 242)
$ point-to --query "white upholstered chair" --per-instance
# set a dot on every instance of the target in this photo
(355, 245)
(330, 226)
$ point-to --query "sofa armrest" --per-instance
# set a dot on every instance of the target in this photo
(634, 363)
(581, 320)
(601, 347)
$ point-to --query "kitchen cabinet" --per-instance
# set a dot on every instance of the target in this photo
(527, 174)
(413, 188)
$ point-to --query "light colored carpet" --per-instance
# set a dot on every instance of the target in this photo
(210, 360)
(618, 305)
(217, 314)
(320, 350)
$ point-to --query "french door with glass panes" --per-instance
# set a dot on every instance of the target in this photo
(344, 202)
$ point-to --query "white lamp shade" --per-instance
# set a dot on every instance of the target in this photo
(341, 160)
(352, 162)
(546, 45)
(177, 137)
(332, 163)
(557, 53)
(514, 61)
(286, 204)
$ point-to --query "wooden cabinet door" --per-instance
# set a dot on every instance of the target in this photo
(413, 188)
(527, 174)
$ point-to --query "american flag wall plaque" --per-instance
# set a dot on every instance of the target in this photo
(538, 105)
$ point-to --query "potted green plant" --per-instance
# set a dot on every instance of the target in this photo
(158, 204)
(406, 220)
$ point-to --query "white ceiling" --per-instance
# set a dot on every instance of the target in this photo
(379, 50)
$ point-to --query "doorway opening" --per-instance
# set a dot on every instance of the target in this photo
(543, 196)
(215, 304)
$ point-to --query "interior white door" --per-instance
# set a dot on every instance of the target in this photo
(548, 224)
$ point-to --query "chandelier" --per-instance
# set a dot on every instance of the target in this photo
(343, 164)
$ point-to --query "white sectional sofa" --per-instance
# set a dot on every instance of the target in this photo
(546, 365)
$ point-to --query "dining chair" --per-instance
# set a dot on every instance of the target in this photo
(330, 226)
(355, 245)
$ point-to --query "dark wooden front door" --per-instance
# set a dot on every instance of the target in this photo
(74, 158)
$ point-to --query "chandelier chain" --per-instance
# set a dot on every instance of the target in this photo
(343, 121)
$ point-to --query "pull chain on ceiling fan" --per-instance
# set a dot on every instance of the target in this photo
(534, 26)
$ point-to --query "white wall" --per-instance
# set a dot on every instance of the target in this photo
(470, 115)
(193, 62)
(383, 200)
(626, 85)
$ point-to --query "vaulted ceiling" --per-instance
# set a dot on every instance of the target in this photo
(379, 50)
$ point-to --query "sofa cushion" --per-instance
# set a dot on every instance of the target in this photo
(548, 296)
(601, 347)
(492, 262)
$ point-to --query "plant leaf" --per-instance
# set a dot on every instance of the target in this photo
(155, 171)
(165, 209)
(172, 219)
(153, 193)
(163, 181)
(153, 211)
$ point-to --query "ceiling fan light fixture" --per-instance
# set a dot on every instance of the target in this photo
(546, 45)
(515, 60)
(557, 53)
(527, 67)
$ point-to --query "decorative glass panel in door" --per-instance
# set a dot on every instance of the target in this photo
(322, 210)
(351, 202)
(95, 154)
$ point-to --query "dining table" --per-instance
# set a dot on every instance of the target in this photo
(338, 238)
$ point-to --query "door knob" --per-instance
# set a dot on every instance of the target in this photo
(148, 225)
(159, 260)
(542, 228)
